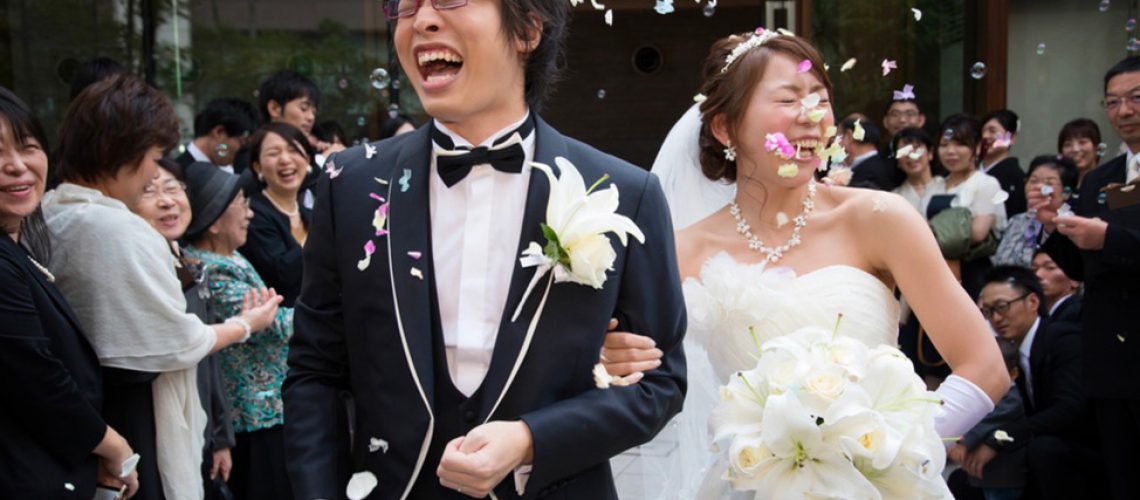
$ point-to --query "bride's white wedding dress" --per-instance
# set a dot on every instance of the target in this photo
(730, 296)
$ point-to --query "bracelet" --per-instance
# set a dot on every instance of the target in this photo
(237, 320)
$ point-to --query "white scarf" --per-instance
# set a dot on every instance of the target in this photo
(118, 275)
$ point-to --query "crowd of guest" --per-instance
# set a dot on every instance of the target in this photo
(1049, 252)
(148, 295)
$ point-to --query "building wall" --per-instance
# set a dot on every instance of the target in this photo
(1067, 81)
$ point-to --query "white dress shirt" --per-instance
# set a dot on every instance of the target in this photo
(200, 156)
(475, 228)
(1132, 167)
(1058, 304)
(862, 158)
(1023, 352)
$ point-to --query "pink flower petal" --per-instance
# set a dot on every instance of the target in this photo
(804, 67)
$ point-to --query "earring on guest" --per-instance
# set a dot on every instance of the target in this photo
(730, 152)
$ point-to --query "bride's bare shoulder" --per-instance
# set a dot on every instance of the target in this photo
(699, 241)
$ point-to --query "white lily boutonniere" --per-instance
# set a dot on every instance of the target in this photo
(577, 220)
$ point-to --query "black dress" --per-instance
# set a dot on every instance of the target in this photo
(272, 250)
(50, 382)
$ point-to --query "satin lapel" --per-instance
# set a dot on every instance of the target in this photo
(512, 334)
(409, 231)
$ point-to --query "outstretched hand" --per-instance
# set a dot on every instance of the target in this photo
(1086, 234)
(259, 308)
(629, 355)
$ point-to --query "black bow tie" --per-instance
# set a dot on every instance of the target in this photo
(504, 155)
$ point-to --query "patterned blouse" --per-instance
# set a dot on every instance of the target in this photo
(254, 370)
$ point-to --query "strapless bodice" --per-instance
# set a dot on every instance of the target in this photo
(733, 299)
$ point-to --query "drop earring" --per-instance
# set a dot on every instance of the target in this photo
(730, 152)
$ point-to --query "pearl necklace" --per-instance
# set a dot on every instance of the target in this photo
(296, 207)
(775, 253)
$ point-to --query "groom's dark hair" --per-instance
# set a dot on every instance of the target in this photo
(544, 64)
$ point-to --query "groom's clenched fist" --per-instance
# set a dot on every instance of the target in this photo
(474, 464)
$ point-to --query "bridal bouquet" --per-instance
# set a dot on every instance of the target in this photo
(825, 416)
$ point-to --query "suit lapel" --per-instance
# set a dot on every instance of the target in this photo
(512, 334)
(409, 226)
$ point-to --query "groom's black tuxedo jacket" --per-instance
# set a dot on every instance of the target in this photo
(372, 332)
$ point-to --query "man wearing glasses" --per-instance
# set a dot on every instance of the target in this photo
(457, 395)
(1058, 428)
(1106, 230)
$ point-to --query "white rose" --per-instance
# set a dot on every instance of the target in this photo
(590, 257)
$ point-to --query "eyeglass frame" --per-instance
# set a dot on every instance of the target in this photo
(167, 188)
(392, 7)
(1002, 307)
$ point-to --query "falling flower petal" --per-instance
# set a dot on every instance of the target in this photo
(777, 143)
(609, 17)
(888, 65)
(699, 98)
(907, 93)
(369, 249)
(1003, 140)
(69, 486)
(811, 101)
(788, 170)
(377, 444)
(376, 197)
(785, 32)
(917, 14)
(831, 131)
(361, 485)
(416, 273)
(838, 176)
(850, 63)
(380, 220)
(903, 151)
(859, 133)
(1000, 197)
(369, 151)
(664, 7)
(602, 378)
(917, 153)
(380, 181)
(596, 5)
(415, 255)
(330, 168)
(781, 219)
(816, 115)
(804, 67)
(878, 205)
(405, 180)
(1002, 436)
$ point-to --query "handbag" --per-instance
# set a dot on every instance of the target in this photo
(952, 228)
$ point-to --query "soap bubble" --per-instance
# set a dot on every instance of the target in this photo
(978, 70)
(601, 93)
(1104, 5)
(380, 79)
(1101, 149)
(1041, 49)
(361, 121)
(1130, 26)
(709, 9)
(393, 110)
(222, 149)
(1133, 45)
(342, 83)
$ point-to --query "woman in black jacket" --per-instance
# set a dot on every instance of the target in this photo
(53, 441)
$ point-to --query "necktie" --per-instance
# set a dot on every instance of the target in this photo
(506, 154)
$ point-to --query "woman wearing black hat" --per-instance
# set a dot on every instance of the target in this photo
(255, 370)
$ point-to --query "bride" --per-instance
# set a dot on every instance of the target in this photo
(786, 252)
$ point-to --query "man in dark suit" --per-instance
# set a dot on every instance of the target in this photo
(1059, 429)
(868, 168)
(1108, 261)
(999, 133)
(220, 130)
(415, 299)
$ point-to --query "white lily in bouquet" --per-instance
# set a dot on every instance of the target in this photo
(825, 416)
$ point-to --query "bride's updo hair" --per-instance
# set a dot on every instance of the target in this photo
(729, 92)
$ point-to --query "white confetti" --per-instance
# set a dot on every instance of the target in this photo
(416, 273)
(380, 181)
(602, 378)
(377, 444)
(369, 151)
(69, 486)
(361, 485)
(903, 151)
(848, 65)
(781, 219)
(1002, 436)
(917, 14)
(859, 133)
(596, 5)
(610, 17)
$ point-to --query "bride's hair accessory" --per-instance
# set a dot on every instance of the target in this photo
(730, 152)
(760, 37)
(775, 253)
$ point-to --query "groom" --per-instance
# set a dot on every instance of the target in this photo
(412, 276)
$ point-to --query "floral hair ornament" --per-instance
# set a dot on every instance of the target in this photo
(756, 39)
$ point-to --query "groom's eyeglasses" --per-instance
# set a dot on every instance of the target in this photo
(396, 9)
